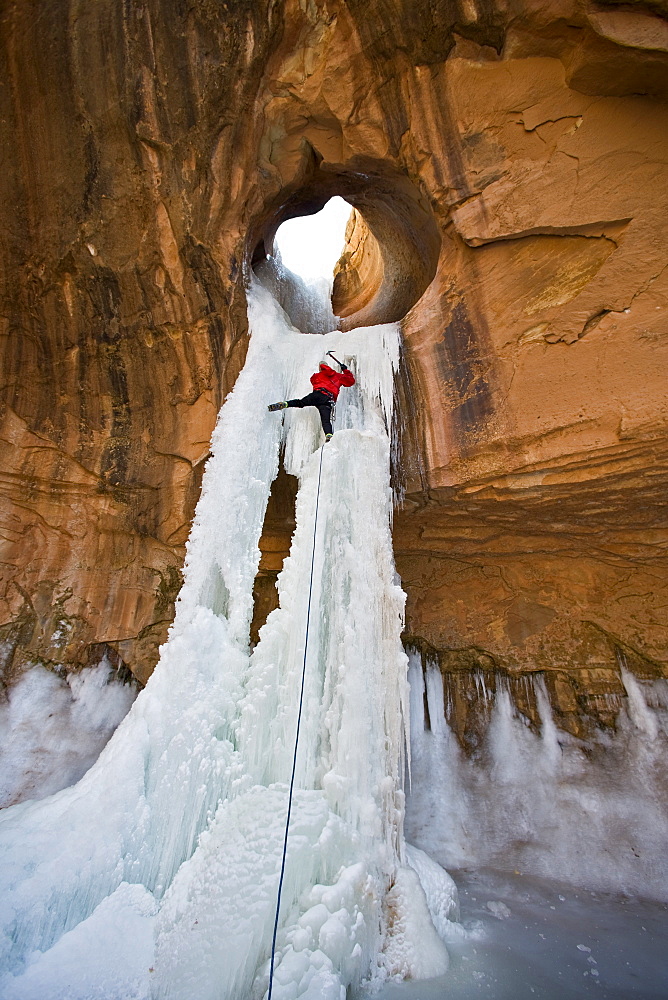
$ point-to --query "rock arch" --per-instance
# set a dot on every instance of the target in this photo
(393, 244)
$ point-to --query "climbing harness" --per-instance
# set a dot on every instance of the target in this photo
(294, 757)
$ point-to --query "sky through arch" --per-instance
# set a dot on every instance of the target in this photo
(311, 244)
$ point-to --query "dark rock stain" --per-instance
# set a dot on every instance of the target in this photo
(461, 367)
(92, 160)
(407, 459)
(105, 299)
(105, 296)
(115, 454)
(205, 272)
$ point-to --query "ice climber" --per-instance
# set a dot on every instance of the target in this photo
(326, 384)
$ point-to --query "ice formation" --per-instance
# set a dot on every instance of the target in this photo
(52, 729)
(167, 851)
(544, 802)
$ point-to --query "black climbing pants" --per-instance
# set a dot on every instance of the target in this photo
(323, 402)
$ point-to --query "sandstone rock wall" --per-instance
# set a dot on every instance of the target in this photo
(537, 536)
(123, 313)
(510, 169)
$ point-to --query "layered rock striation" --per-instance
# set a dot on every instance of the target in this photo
(509, 175)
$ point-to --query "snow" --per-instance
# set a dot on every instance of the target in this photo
(440, 892)
(307, 304)
(53, 729)
(185, 808)
(106, 957)
(414, 949)
(544, 803)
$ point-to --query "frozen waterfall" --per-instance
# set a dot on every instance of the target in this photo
(541, 801)
(156, 875)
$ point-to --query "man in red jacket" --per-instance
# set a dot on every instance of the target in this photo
(326, 384)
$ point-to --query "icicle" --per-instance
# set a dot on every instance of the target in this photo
(435, 698)
(416, 682)
(639, 712)
(592, 814)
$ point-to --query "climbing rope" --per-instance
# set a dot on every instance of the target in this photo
(294, 756)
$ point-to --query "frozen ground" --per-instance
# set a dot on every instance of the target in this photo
(531, 939)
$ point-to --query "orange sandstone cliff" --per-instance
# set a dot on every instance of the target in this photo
(508, 164)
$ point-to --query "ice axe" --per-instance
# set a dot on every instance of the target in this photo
(339, 363)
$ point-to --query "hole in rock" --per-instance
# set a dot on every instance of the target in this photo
(389, 256)
(311, 245)
(299, 270)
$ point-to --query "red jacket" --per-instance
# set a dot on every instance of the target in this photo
(330, 380)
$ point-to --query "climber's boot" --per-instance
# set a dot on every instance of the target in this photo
(277, 406)
(328, 437)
